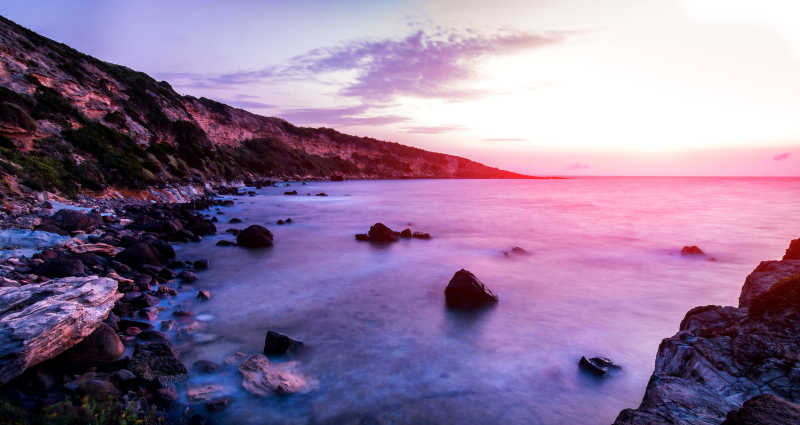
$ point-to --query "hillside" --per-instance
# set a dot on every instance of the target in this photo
(72, 123)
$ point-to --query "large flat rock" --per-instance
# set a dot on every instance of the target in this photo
(41, 320)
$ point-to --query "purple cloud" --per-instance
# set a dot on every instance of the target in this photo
(437, 129)
(419, 65)
(782, 156)
(340, 116)
(578, 166)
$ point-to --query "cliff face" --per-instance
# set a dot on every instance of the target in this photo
(724, 356)
(71, 122)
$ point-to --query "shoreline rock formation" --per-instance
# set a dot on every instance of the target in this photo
(39, 321)
(722, 357)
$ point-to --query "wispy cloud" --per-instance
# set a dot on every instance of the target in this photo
(782, 156)
(578, 166)
(436, 129)
(503, 139)
(339, 116)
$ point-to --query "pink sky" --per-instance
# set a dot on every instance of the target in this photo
(682, 87)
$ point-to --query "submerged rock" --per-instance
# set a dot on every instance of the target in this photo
(379, 232)
(597, 365)
(691, 250)
(465, 291)
(278, 344)
(39, 321)
(262, 378)
(254, 236)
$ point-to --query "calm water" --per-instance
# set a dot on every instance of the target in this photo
(604, 277)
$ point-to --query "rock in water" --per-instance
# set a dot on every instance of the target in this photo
(692, 250)
(793, 252)
(278, 344)
(467, 292)
(406, 233)
(765, 410)
(262, 378)
(379, 232)
(102, 346)
(597, 365)
(723, 356)
(39, 321)
(157, 362)
(254, 236)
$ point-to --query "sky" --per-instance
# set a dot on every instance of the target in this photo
(547, 87)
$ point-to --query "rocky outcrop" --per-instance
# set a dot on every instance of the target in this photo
(793, 252)
(765, 410)
(724, 356)
(254, 236)
(38, 321)
(466, 292)
(262, 378)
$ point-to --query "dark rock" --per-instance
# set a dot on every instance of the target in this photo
(204, 295)
(691, 250)
(362, 237)
(278, 344)
(167, 395)
(322, 194)
(123, 376)
(202, 226)
(197, 420)
(254, 236)
(406, 233)
(61, 267)
(465, 291)
(233, 232)
(337, 178)
(100, 388)
(765, 409)
(597, 365)
(144, 301)
(219, 403)
(280, 221)
(793, 252)
(421, 235)
(157, 362)
(520, 251)
(205, 366)
(120, 267)
(175, 264)
(225, 243)
(288, 220)
(379, 232)
(152, 335)
(142, 253)
(72, 220)
(166, 274)
(235, 220)
(100, 347)
(187, 276)
(148, 314)
(201, 264)
(291, 192)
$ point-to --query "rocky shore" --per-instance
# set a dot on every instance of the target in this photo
(732, 365)
(92, 329)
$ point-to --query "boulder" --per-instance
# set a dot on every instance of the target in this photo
(39, 321)
(765, 409)
(724, 356)
(262, 378)
(278, 344)
(157, 362)
(142, 253)
(465, 291)
(421, 235)
(235, 220)
(61, 267)
(597, 365)
(100, 347)
(254, 236)
(406, 233)
(201, 264)
(362, 237)
(691, 250)
(290, 192)
(187, 276)
(72, 220)
(204, 295)
(379, 232)
(793, 252)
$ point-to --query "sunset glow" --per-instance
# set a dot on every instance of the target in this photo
(616, 87)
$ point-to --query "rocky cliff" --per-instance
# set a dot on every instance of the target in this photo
(70, 122)
(722, 357)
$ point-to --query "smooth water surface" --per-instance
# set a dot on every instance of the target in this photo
(604, 276)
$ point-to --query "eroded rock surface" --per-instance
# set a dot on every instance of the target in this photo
(723, 356)
(41, 320)
(262, 378)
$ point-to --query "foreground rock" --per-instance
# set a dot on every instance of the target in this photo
(467, 292)
(262, 378)
(254, 236)
(101, 347)
(41, 320)
(765, 410)
(157, 362)
(279, 344)
(724, 356)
